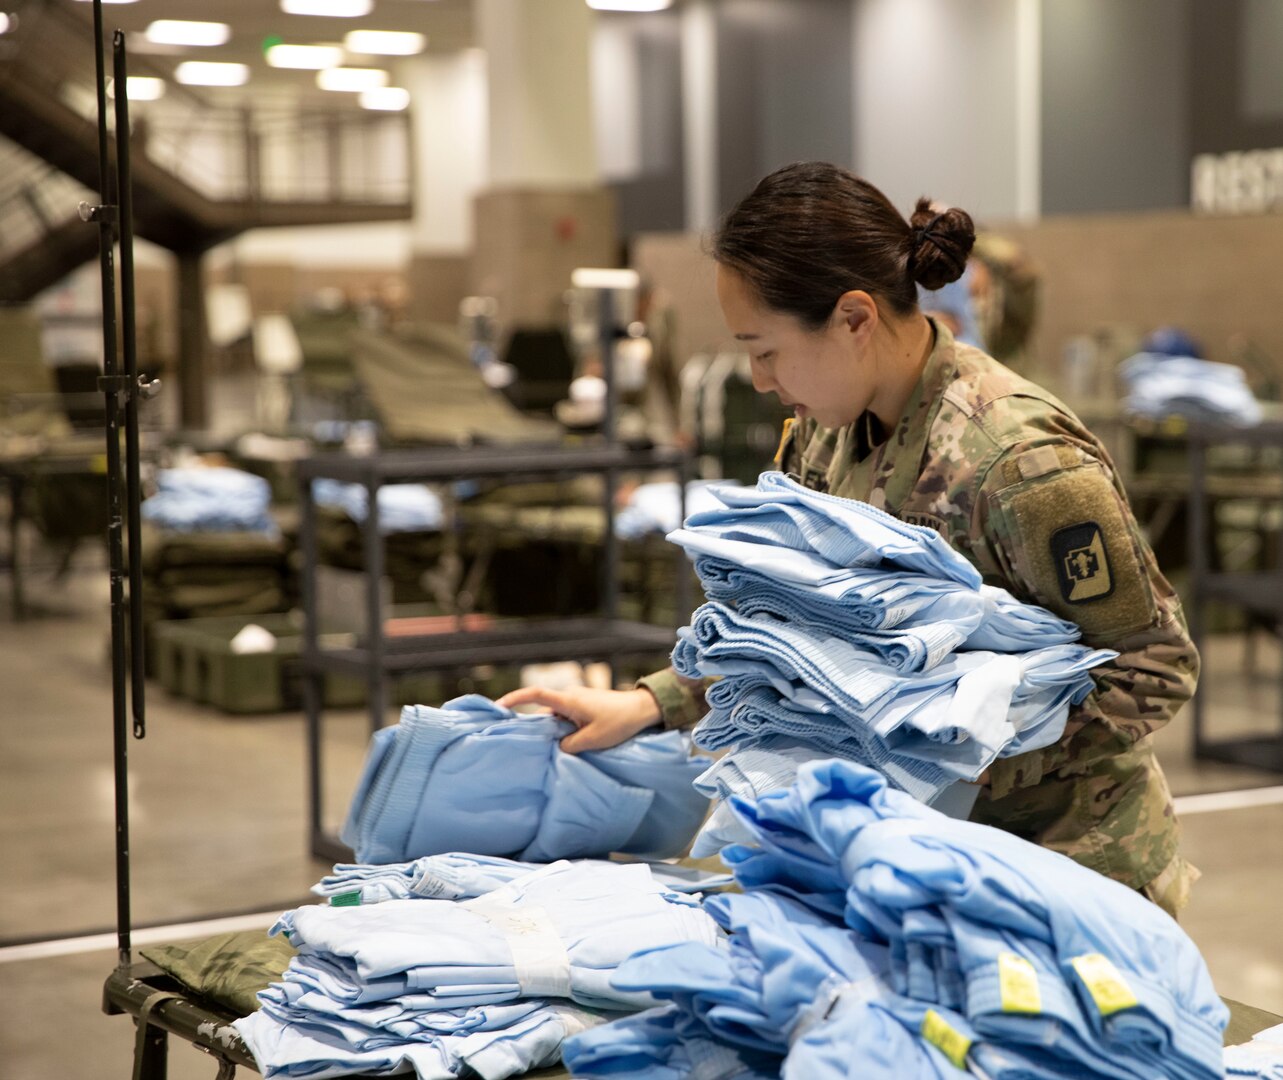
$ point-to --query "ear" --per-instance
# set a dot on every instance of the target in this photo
(858, 311)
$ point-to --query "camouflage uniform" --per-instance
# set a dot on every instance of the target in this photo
(1012, 479)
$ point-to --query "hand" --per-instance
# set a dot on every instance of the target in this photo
(604, 718)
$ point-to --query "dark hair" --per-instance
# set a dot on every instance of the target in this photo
(812, 231)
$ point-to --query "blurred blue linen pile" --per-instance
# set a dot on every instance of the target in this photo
(210, 499)
(471, 776)
(834, 626)
(1261, 1058)
(657, 508)
(402, 507)
(489, 985)
(878, 938)
(1159, 385)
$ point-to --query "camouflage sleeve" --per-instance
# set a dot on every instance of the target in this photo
(681, 701)
(1063, 535)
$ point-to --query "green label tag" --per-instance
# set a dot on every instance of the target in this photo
(1105, 984)
(346, 899)
(1018, 984)
(946, 1038)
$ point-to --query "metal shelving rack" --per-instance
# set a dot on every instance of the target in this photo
(606, 637)
(1259, 592)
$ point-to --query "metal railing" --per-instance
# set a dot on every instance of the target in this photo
(267, 153)
(35, 198)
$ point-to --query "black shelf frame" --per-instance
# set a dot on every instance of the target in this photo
(1259, 592)
(381, 660)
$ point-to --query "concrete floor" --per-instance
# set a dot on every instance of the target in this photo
(218, 826)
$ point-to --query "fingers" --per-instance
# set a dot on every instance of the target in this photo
(586, 738)
(535, 695)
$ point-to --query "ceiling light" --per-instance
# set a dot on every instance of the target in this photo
(208, 73)
(5, 22)
(385, 99)
(339, 9)
(349, 78)
(139, 87)
(384, 42)
(182, 32)
(630, 5)
(306, 57)
(113, 1)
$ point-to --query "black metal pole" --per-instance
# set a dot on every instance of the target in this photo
(105, 215)
(129, 341)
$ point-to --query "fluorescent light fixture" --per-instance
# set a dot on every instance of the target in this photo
(339, 9)
(630, 5)
(384, 42)
(139, 87)
(351, 79)
(305, 57)
(208, 73)
(4, 23)
(588, 277)
(385, 98)
(112, 1)
(183, 32)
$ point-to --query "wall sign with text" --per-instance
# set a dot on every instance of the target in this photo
(1247, 182)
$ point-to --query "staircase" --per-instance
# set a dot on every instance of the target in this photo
(199, 175)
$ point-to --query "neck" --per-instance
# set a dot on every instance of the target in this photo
(908, 346)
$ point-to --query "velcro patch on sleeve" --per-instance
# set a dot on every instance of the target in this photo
(1074, 547)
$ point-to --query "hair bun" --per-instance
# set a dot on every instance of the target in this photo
(939, 244)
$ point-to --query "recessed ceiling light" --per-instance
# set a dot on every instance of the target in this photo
(5, 22)
(339, 9)
(350, 78)
(630, 5)
(183, 32)
(305, 57)
(139, 88)
(385, 99)
(384, 42)
(208, 73)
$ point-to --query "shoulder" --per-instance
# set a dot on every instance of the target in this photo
(989, 416)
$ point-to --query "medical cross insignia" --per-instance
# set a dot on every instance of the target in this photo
(1082, 563)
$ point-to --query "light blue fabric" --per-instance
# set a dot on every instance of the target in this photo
(402, 507)
(781, 513)
(210, 499)
(663, 1044)
(449, 955)
(958, 716)
(459, 876)
(1261, 1058)
(1159, 385)
(491, 1041)
(840, 825)
(430, 786)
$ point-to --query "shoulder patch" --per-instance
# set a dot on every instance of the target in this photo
(1082, 562)
(926, 521)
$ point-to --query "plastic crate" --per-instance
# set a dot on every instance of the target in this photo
(194, 660)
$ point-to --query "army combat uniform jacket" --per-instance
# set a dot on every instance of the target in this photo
(1015, 482)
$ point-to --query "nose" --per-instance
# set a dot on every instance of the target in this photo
(762, 381)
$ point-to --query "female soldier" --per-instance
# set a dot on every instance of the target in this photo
(816, 275)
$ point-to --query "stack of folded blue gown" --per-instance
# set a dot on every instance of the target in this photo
(832, 625)
(878, 938)
(402, 507)
(1158, 385)
(459, 876)
(490, 985)
(210, 499)
(471, 776)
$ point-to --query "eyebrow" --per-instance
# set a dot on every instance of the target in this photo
(747, 337)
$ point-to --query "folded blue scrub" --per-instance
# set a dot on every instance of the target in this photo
(473, 777)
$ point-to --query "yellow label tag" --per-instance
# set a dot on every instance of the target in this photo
(946, 1038)
(1018, 984)
(1107, 987)
(784, 437)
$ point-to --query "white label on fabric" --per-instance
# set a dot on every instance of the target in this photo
(432, 887)
(538, 954)
(574, 1021)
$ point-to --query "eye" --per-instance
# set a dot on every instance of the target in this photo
(764, 357)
